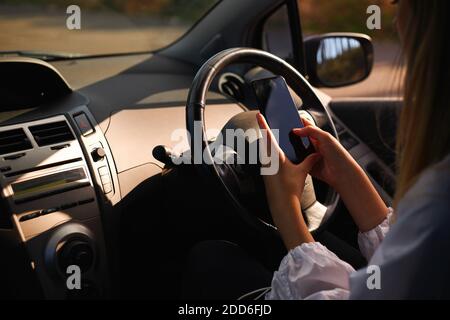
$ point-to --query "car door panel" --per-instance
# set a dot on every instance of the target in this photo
(367, 129)
(374, 121)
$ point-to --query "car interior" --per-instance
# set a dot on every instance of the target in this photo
(88, 166)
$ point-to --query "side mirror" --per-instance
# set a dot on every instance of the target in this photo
(338, 59)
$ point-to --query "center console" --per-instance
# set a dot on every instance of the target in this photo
(57, 176)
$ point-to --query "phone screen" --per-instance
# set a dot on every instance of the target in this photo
(276, 104)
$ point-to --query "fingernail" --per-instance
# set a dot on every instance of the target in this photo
(259, 120)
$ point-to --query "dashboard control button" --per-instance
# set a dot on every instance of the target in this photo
(83, 124)
(105, 179)
(347, 140)
(98, 154)
(76, 252)
(69, 205)
(81, 202)
(103, 171)
(30, 216)
(48, 211)
(338, 126)
(107, 188)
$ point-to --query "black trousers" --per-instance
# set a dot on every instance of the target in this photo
(219, 270)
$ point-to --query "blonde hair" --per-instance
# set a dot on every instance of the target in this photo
(423, 136)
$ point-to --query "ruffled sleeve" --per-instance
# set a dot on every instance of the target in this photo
(311, 271)
(369, 241)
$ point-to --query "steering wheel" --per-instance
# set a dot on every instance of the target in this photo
(242, 183)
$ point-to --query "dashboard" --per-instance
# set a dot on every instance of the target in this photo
(66, 162)
(56, 176)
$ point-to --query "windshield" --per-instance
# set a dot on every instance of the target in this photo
(93, 27)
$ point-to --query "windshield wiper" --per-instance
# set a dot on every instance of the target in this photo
(47, 56)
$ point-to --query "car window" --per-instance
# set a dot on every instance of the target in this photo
(96, 26)
(319, 16)
(276, 34)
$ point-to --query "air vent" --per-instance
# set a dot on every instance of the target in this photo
(51, 133)
(13, 141)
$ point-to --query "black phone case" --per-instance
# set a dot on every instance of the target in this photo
(300, 151)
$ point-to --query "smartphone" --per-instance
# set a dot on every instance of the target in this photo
(277, 106)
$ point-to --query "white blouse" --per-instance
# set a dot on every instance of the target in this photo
(407, 259)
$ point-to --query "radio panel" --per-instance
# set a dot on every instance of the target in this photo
(53, 183)
(54, 165)
(49, 195)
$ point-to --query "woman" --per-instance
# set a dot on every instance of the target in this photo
(407, 247)
(408, 258)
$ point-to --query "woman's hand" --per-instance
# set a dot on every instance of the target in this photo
(337, 168)
(335, 162)
(284, 190)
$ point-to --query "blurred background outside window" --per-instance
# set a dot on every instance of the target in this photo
(322, 16)
(119, 26)
(107, 26)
